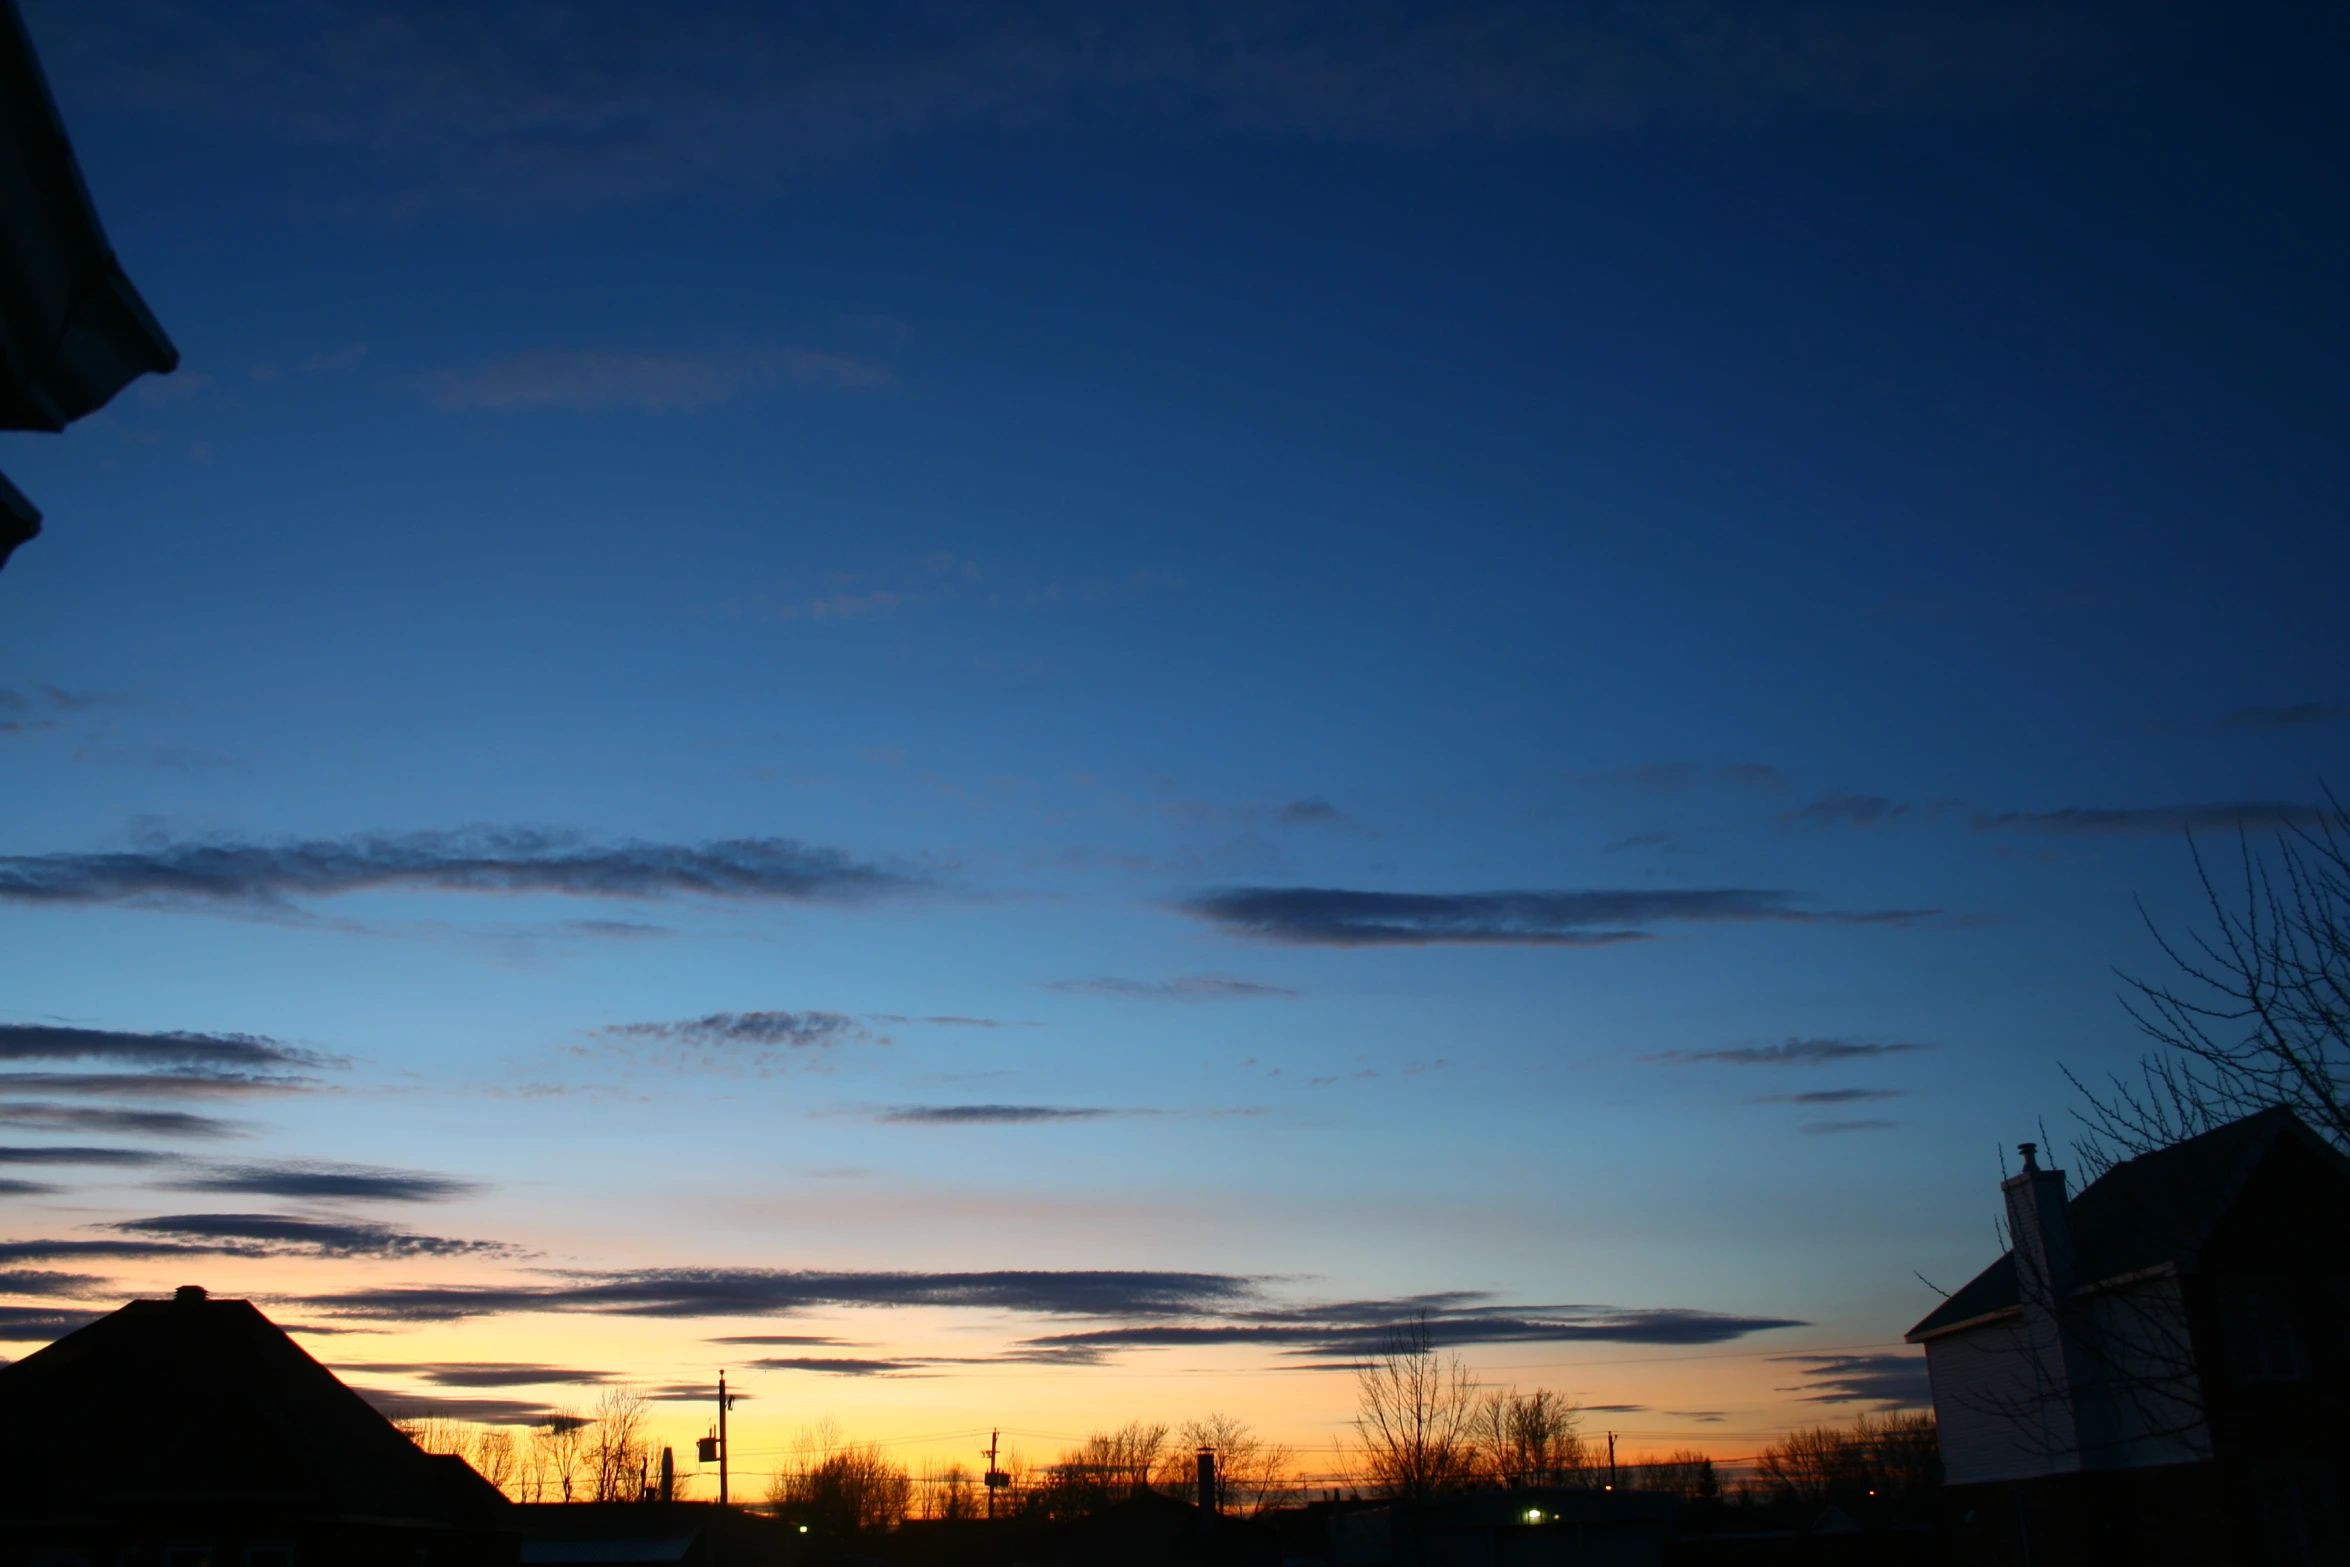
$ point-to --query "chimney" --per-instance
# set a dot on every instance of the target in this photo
(2047, 1266)
(189, 1295)
(2040, 1226)
(668, 1474)
(1207, 1499)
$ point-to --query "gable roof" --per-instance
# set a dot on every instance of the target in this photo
(2157, 1209)
(167, 1404)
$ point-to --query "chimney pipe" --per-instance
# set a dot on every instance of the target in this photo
(1207, 1499)
(2047, 1268)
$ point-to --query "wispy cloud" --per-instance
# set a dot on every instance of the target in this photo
(1888, 1381)
(72, 1155)
(479, 1373)
(740, 1292)
(1344, 1331)
(787, 1030)
(2292, 717)
(24, 711)
(1187, 987)
(53, 1042)
(22, 1324)
(581, 105)
(1833, 1128)
(993, 1115)
(1794, 1052)
(1850, 810)
(12, 1186)
(88, 1118)
(476, 860)
(580, 381)
(286, 1233)
(2110, 821)
(838, 1365)
(34, 1281)
(1829, 1096)
(395, 1404)
(1309, 813)
(321, 1180)
(1324, 916)
(136, 1085)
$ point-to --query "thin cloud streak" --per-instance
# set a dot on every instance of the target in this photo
(1829, 1096)
(83, 1156)
(1339, 917)
(488, 107)
(1887, 1381)
(794, 1030)
(729, 1292)
(476, 860)
(995, 1115)
(54, 1042)
(1187, 987)
(1792, 1052)
(326, 1181)
(293, 1234)
(137, 1085)
(138, 1123)
(2104, 821)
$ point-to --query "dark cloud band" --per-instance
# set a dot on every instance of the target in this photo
(327, 1181)
(688, 1293)
(482, 860)
(52, 1042)
(992, 1115)
(1339, 917)
(296, 1235)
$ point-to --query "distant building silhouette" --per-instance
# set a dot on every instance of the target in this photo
(194, 1431)
(2159, 1370)
(73, 331)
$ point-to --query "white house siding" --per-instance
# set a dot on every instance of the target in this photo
(2137, 1395)
(1994, 1408)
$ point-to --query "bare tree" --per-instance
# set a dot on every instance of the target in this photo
(2257, 1012)
(1108, 1468)
(1415, 1415)
(616, 1451)
(1526, 1438)
(949, 1493)
(493, 1457)
(557, 1448)
(1891, 1455)
(842, 1487)
(1252, 1474)
(434, 1433)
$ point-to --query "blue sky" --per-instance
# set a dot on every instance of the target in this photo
(1531, 656)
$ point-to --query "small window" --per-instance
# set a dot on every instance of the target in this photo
(2263, 1345)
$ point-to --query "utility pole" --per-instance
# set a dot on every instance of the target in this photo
(724, 1454)
(996, 1479)
(1611, 1463)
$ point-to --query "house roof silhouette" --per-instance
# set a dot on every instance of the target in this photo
(195, 1404)
(2156, 1210)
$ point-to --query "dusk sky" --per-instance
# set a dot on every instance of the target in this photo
(1020, 715)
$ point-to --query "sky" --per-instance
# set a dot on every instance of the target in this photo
(1022, 716)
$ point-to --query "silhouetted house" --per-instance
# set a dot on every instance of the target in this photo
(73, 331)
(193, 1432)
(686, 1534)
(1536, 1527)
(1152, 1529)
(2160, 1369)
